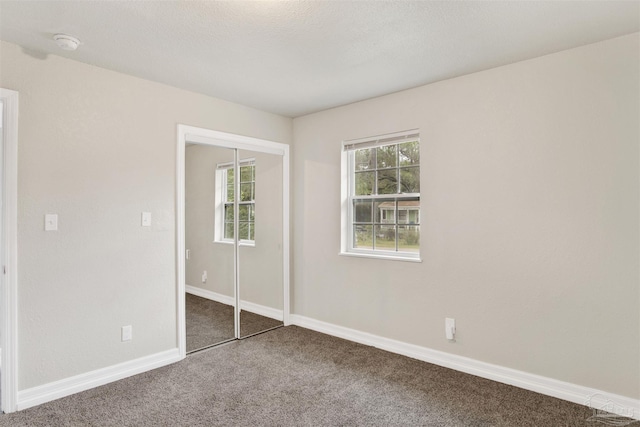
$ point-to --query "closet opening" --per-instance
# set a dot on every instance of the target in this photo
(233, 237)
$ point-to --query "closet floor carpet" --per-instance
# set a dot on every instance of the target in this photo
(210, 322)
(296, 377)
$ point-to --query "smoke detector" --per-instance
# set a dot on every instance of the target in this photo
(66, 42)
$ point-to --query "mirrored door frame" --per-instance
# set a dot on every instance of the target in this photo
(195, 135)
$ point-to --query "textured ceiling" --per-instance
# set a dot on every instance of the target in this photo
(293, 58)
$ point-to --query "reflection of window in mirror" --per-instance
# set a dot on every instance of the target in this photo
(225, 193)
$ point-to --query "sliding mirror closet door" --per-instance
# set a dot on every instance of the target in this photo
(209, 243)
(260, 226)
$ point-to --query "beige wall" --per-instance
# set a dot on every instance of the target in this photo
(260, 265)
(530, 218)
(98, 148)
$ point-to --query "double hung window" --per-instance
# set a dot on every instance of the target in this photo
(382, 196)
(225, 177)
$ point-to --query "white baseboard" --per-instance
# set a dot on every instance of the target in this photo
(591, 397)
(214, 296)
(57, 389)
(262, 310)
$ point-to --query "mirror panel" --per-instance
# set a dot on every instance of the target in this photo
(210, 299)
(260, 223)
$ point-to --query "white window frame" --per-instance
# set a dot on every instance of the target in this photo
(221, 193)
(348, 195)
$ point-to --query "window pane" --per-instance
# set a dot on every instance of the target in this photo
(228, 230)
(414, 216)
(365, 159)
(387, 156)
(409, 153)
(385, 211)
(243, 231)
(230, 190)
(246, 174)
(246, 192)
(385, 237)
(388, 181)
(402, 216)
(363, 236)
(252, 231)
(364, 183)
(362, 211)
(228, 213)
(243, 212)
(252, 212)
(229, 176)
(410, 180)
(409, 238)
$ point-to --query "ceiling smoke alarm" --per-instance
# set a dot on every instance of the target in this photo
(66, 42)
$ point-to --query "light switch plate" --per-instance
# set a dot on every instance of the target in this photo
(51, 222)
(146, 219)
(450, 328)
(126, 333)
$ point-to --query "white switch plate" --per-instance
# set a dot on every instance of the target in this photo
(51, 222)
(146, 219)
(126, 333)
(450, 328)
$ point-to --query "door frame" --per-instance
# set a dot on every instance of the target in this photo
(9, 267)
(226, 140)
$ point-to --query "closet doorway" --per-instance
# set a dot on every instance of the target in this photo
(233, 237)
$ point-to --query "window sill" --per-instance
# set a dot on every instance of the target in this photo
(242, 243)
(381, 256)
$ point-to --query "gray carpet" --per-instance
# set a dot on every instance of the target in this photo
(210, 322)
(296, 377)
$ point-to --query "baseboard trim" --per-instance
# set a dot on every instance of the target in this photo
(213, 296)
(582, 395)
(262, 310)
(62, 388)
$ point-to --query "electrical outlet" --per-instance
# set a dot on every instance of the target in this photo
(51, 222)
(204, 277)
(127, 333)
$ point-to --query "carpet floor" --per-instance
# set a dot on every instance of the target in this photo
(210, 322)
(296, 377)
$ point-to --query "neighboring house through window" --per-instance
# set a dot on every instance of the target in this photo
(225, 192)
(381, 215)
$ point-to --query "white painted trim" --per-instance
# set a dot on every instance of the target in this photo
(57, 389)
(286, 256)
(262, 310)
(9, 304)
(222, 139)
(543, 385)
(213, 296)
(228, 140)
(380, 256)
(181, 320)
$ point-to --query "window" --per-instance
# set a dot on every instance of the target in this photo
(225, 190)
(381, 215)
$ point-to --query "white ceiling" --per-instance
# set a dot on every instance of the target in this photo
(294, 58)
